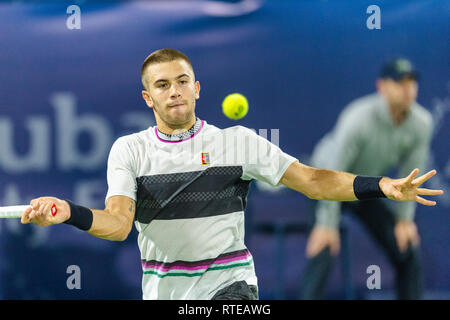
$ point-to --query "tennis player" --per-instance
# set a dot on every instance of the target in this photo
(184, 183)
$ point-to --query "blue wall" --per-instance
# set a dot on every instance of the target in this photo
(66, 95)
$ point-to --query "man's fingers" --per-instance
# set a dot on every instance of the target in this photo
(414, 238)
(412, 175)
(35, 203)
(425, 202)
(393, 193)
(314, 247)
(311, 249)
(46, 210)
(335, 247)
(401, 244)
(398, 195)
(429, 192)
(418, 181)
(39, 210)
(26, 216)
(401, 240)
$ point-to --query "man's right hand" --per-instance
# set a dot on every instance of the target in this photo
(320, 238)
(39, 211)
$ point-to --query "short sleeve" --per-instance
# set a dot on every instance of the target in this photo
(121, 173)
(265, 161)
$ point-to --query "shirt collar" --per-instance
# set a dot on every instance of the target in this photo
(181, 136)
(385, 114)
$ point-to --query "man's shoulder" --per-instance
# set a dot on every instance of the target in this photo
(355, 114)
(234, 130)
(239, 129)
(364, 104)
(132, 139)
(421, 116)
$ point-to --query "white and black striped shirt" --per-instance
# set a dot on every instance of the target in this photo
(190, 199)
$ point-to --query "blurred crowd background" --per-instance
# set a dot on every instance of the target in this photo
(66, 93)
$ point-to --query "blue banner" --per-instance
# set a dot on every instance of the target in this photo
(70, 85)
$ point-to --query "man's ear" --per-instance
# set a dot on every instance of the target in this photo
(197, 90)
(147, 98)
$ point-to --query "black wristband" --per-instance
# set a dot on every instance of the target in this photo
(366, 188)
(80, 217)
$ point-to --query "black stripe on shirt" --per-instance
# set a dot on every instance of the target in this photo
(210, 192)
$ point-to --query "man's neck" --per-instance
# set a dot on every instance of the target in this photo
(170, 130)
(398, 115)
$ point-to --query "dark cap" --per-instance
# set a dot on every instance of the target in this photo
(398, 69)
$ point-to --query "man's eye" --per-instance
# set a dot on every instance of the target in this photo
(183, 81)
(163, 85)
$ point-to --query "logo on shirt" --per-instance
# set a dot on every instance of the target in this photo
(205, 158)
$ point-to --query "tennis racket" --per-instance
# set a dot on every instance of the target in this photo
(12, 212)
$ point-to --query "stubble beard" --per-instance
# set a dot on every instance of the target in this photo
(176, 123)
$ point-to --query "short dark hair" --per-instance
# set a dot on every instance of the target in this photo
(162, 55)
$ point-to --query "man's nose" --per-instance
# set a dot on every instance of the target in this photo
(174, 91)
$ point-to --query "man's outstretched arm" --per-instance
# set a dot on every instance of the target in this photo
(323, 184)
(113, 223)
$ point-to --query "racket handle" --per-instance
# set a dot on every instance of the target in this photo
(12, 212)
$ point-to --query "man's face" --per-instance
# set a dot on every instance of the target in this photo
(399, 94)
(172, 91)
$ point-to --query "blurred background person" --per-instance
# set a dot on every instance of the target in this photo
(374, 135)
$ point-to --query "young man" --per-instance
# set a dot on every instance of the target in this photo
(374, 135)
(185, 184)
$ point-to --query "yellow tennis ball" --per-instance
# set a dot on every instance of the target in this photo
(235, 106)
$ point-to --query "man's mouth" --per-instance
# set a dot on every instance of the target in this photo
(176, 104)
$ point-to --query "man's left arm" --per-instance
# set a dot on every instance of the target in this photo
(324, 184)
